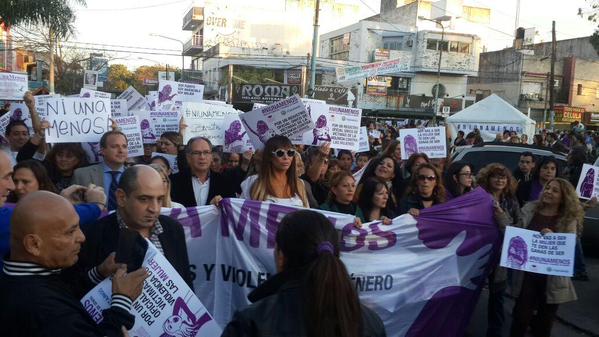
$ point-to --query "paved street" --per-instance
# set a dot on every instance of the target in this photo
(576, 319)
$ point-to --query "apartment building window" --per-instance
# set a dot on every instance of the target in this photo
(452, 46)
(339, 49)
(579, 90)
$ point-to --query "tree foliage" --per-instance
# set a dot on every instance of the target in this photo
(57, 15)
(119, 78)
(592, 14)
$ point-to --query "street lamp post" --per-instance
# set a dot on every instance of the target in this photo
(438, 21)
(182, 51)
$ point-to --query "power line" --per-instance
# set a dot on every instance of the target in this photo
(132, 8)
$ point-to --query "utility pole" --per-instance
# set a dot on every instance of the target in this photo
(552, 77)
(314, 48)
(439, 74)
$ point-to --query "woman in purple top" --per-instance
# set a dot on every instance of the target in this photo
(547, 169)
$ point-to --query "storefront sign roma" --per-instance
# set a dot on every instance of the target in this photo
(263, 93)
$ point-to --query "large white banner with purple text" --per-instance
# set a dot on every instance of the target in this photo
(422, 276)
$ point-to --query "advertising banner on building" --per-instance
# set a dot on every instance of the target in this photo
(263, 93)
(360, 72)
(568, 114)
(331, 95)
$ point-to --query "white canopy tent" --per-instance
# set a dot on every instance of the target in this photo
(491, 116)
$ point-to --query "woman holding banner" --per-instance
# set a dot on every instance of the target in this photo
(312, 294)
(373, 201)
(277, 180)
(341, 196)
(458, 179)
(557, 211)
(425, 190)
(386, 170)
(497, 180)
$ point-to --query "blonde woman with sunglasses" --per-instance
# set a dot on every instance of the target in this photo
(277, 180)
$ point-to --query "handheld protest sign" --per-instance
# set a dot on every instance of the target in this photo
(431, 141)
(155, 123)
(13, 86)
(587, 186)
(77, 120)
(206, 120)
(129, 125)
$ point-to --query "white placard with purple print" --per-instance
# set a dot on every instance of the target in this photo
(588, 183)
(20, 112)
(431, 141)
(364, 144)
(235, 135)
(13, 86)
(167, 307)
(118, 108)
(89, 93)
(287, 117)
(155, 123)
(549, 254)
(129, 125)
(206, 120)
(171, 93)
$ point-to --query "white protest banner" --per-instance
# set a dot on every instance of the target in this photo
(167, 307)
(364, 144)
(440, 259)
(171, 92)
(221, 103)
(40, 104)
(374, 133)
(74, 120)
(319, 113)
(155, 123)
(13, 86)
(135, 101)
(206, 120)
(89, 93)
(287, 117)
(171, 158)
(129, 125)
(588, 186)
(4, 120)
(20, 112)
(371, 69)
(90, 79)
(549, 254)
(345, 127)
(431, 141)
(236, 137)
(118, 108)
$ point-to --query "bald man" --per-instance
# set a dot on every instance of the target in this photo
(88, 213)
(34, 299)
(139, 195)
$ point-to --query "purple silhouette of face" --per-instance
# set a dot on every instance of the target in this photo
(145, 124)
(261, 127)
(517, 254)
(17, 114)
(410, 145)
(86, 95)
(235, 127)
(167, 90)
(321, 122)
(586, 188)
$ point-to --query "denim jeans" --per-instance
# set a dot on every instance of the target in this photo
(579, 266)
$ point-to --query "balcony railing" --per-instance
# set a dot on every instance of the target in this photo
(193, 18)
(194, 46)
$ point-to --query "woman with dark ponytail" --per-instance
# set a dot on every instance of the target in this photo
(312, 294)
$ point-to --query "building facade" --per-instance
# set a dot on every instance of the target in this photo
(522, 76)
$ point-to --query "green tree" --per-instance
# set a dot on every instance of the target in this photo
(55, 16)
(592, 14)
(119, 78)
(148, 73)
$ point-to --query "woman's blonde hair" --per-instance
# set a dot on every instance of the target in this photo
(166, 202)
(262, 188)
(569, 209)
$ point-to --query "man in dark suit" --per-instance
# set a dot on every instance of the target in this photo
(198, 186)
(139, 197)
(113, 146)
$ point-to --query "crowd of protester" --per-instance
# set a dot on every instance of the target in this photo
(373, 185)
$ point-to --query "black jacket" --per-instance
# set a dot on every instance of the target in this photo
(278, 311)
(44, 306)
(101, 239)
(225, 184)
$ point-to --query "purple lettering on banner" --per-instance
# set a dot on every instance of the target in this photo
(346, 231)
(191, 219)
(389, 236)
(249, 212)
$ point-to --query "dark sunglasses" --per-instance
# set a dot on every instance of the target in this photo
(281, 153)
(429, 178)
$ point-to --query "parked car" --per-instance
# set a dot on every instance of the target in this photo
(509, 155)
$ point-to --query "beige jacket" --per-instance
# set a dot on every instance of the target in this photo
(559, 288)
